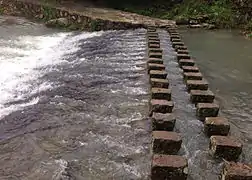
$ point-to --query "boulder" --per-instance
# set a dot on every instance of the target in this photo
(60, 22)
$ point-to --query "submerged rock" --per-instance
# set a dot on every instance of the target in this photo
(60, 22)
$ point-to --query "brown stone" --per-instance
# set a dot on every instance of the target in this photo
(161, 93)
(192, 76)
(172, 30)
(160, 106)
(166, 142)
(150, 30)
(152, 42)
(155, 61)
(155, 50)
(181, 51)
(236, 171)
(158, 74)
(163, 122)
(183, 56)
(152, 35)
(190, 68)
(226, 147)
(169, 167)
(153, 39)
(180, 47)
(186, 62)
(177, 44)
(153, 45)
(159, 83)
(196, 85)
(155, 55)
(175, 40)
(207, 110)
(153, 66)
(216, 126)
(199, 96)
(174, 37)
(174, 34)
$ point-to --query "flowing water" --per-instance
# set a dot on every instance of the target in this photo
(75, 105)
(72, 105)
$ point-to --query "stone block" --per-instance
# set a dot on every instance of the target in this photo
(155, 61)
(160, 106)
(155, 50)
(163, 122)
(155, 55)
(174, 34)
(151, 30)
(157, 41)
(174, 37)
(236, 171)
(192, 76)
(181, 51)
(153, 66)
(153, 45)
(158, 74)
(207, 110)
(169, 167)
(152, 35)
(161, 93)
(153, 39)
(183, 56)
(175, 40)
(186, 62)
(166, 142)
(180, 48)
(196, 85)
(159, 83)
(177, 44)
(216, 126)
(226, 147)
(199, 96)
(190, 68)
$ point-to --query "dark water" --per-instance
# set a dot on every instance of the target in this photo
(73, 105)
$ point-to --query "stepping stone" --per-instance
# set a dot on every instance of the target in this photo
(174, 34)
(159, 83)
(153, 66)
(207, 110)
(183, 56)
(160, 106)
(158, 74)
(181, 51)
(151, 30)
(169, 167)
(199, 96)
(155, 50)
(186, 62)
(177, 44)
(216, 126)
(236, 171)
(174, 37)
(154, 45)
(192, 76)
(166, 142)
(163, 122)
(196, 85)
(156, 42)
(161, 93)
(153, 39)
(226, 147)
(154, 36)
(172, 30)
(155, 55)
(155, 61)
(190, 68)
(175, 40)
(180, 48)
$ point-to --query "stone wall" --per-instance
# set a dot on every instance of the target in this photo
(75, 20)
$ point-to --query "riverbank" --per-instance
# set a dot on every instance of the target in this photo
(79, 17)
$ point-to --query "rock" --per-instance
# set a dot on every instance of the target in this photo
(199, 96)
(207, 110)
(60, 22)
(159, 83)
(161, 93)
(216, 126)
(163, 122)
(237, 171)
(160, 106)
(195, 26)
(182, 21)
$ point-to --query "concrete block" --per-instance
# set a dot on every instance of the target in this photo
(155, 61)
(153, 45)
(199, 96)
(190, 68)
(160, 106)
(166, 142)
(186, 62)
(236, 171)
(153, 39)
(226, 147)
(181, 51)
(169, 167)
(207, 110)
(196, 85)
(177, 44)
(161, 93)
(158, 74)
(183, 56)
(216, 126)
(155, 50)
(174, 37)
(155, 55)
(153, 66)
(174, 34)
(163, 122)
(175, 40)
(178, 47)
(192, 76)
(159, 83)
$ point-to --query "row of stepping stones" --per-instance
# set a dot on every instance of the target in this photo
(165, 143)
(217, 128)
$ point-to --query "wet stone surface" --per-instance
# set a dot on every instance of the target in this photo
(236, 171)
(163, 122)
(216, 126)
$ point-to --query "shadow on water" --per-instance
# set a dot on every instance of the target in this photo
(92, 122)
